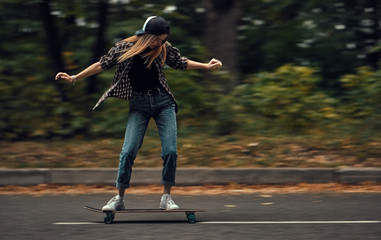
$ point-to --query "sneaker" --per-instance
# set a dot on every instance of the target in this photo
(167, 203)
(115, 203)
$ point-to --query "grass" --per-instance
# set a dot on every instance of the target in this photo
(199, 149)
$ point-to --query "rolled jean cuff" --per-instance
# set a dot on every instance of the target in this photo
(165, 183)
(121, 186)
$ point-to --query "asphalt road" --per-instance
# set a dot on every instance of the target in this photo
(312, 216)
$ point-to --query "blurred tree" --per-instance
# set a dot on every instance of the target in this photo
(53, 43)
(99, 46)
(220, 34)
(334, 36)
(268, 34)
(340, 36)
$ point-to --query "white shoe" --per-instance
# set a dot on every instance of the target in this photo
(167, 203)
(115, 203)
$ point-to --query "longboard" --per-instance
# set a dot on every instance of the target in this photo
(190, 213)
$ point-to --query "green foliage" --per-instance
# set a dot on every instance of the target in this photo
(188, 92)
(289, 97)
(226, 121)
(362, 100)
(362, 96)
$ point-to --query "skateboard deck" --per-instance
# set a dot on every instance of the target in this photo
(190, 213)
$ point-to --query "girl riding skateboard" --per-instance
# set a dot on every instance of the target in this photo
(139, 78)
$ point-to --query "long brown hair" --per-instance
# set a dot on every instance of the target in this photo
(141, 43)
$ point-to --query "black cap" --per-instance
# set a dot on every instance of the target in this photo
(154, 25)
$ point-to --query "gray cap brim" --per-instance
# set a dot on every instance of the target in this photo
(140, 32)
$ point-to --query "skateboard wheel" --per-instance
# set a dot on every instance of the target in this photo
(191, 218)
(109, 219)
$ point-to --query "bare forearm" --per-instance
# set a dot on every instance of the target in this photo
(196, 65)
(213, 64)
(91, 70)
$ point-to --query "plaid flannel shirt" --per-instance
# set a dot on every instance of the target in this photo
(121, 84)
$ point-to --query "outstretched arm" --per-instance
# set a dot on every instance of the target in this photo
(91, 70)
(212, 64)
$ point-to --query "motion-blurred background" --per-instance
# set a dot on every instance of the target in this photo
(300, 84)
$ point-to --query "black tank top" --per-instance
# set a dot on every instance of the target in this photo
(143, 78)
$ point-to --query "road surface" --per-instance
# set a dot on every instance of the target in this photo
(292, 216)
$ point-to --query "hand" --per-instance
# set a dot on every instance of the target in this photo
(214, 64)
(64, 76)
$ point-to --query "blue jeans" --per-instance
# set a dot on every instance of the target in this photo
(161, 107)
